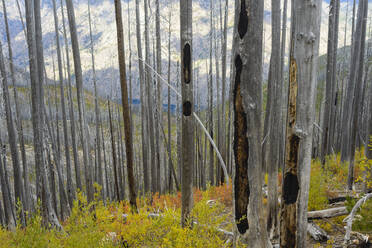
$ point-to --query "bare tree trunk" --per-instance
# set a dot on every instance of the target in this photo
(273, 161)
(80, 98)
(169, 100)
(70, 188)
(149, 91)
(330, 80)
(26, 185)
(218, 107)
(36, 57)
(305, 36)
(71, 107)
(223, 98)
(65, 208)
(124, 97)
(247, 122)
(107, 187)
(146, 173)
(354, 125)
(120, 157)
(187, 110)
(97, 113)
(113, 150)
(18, 186)
(159, 115)
(10, 218)
(130, 87)
(179, 127)
(335, 83)
(210, 99)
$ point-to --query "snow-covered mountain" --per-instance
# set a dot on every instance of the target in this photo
(104, 30)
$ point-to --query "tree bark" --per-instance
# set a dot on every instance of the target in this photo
(210, 99)
(273, 160)
(124, 97)
(96, 107)
(36, 57)
(247, 122)
(26, 185)
(18, 185)
(305, 32)
(187, 110)
(80, 98)
(146, 174)
(10, 218)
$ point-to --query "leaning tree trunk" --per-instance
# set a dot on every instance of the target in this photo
(247, 122)
(80, 98)
(124, 98)
(305, 36)
(187, 110)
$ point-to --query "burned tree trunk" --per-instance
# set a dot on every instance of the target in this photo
(273, 160)
(71, 107)
(70, 188)
(146, 174)
(36, 56)
(26, 185)
(124, 99)
(113, 150)
(247, 134)
(305, 32)
(18, 186)
(187, 110)
(80, 99)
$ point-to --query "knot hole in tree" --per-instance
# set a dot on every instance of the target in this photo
(243, 20)
(186, 108)
(187, 62)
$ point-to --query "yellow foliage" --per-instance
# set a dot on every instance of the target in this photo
(98, 225)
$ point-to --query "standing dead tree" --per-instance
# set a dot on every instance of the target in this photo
(187, 110)
(305, 32)
(247, 122)
(124, 97)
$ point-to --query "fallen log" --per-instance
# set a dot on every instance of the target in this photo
(327, 213)
(350, 218)
(317, 233)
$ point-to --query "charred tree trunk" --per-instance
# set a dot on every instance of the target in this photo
(273, 160)
(36, 57)
(187, 110)
(146, 174)
(305, 32)
(80, 99)
(247, 122)
(124, 97)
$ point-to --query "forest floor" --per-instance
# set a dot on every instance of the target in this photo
(157, 224)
